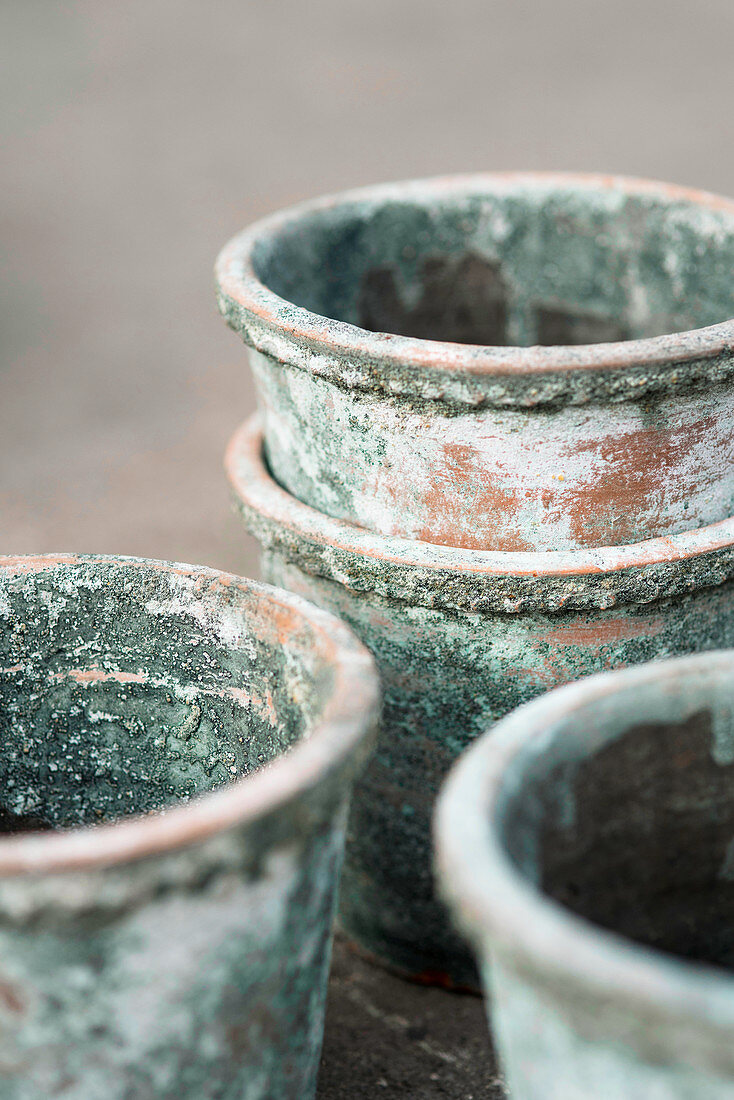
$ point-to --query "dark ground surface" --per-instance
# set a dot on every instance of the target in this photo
(139, 136)
(387, 1037)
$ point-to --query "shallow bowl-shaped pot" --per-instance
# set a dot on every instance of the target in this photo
(461, 637)
(178, 752)
(586, 846)
(516, 362)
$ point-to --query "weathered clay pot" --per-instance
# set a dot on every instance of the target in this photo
(184, 953)
(377, 320)
(461, 638)
(587, 846)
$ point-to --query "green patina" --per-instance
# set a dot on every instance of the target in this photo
(495, 263)
(508, 362)
(447, 675)
(196, 970)
(549, 265)
(114, 700)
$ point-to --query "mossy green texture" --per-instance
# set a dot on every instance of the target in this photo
(183, 954)
(461, 638)
(504, 361)
(624, 257)
(447, 676)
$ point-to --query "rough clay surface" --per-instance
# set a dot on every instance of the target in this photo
(450, 671)
(192, 974)
(420, 574)
(447, 678)
(418, 585)
(501, 478)
(490, 441)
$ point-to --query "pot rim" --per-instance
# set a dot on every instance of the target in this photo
(594, 572)
(500, 908)
(253, 309)
(346, 726)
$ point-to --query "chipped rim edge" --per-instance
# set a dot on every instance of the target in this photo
(298, 329)
(343, 731)
(496, 904)
(256, 490)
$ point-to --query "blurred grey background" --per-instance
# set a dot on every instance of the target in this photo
(139, 135)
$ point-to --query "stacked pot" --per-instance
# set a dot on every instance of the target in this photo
(495, 437)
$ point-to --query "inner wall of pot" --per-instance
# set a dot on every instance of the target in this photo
(628, 820)
(530, 265)
(125, 690)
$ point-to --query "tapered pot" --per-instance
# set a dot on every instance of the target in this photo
(178, 751)
(461, 638)
(585, 844)
(510, 362)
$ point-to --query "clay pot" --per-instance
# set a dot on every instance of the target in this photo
(507, 362)
(178, 751)
(461, 637)
(586, 846)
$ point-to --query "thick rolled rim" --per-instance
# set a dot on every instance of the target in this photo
(240, 287)
(256, 488)
(344, 730)
(495, 904)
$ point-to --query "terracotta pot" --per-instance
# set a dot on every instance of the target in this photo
(586, 846)
(461, 638)
(507, 362)
(164, 913)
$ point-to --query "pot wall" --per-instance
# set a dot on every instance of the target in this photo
(554, 1052)
(200, 976)
(447, 675)
(552, 478)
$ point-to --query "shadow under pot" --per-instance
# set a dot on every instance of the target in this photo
(461, 638)
(515, 362)
(178, 751)
(586, 847)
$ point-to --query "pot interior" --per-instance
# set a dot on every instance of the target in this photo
(624, 813)
(126, 688)
(533, 263)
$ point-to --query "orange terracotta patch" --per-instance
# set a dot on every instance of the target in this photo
(447, 508)
(604, 632)
(100, 676)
